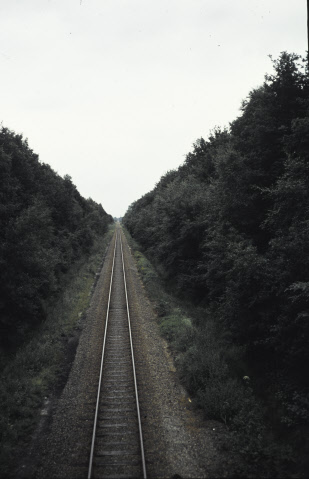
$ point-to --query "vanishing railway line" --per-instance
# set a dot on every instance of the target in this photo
(94, 430)
(117, 443)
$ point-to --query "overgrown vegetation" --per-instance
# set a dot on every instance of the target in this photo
(229, 232)
(39, 368)
(51, 245)
(212, 369)
(45, 227)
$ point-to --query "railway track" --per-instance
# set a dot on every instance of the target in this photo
(117, 449)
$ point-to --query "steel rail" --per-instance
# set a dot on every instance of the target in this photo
(90, 469)
(101, 367)
(134, 372)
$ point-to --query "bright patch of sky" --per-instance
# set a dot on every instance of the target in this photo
(115, 92)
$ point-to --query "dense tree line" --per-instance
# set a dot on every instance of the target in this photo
(45, 226)
(230, 231)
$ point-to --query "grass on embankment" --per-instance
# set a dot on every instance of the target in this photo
(212, 370)
(41, 366)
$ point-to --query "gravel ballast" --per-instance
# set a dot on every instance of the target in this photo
(178, 442)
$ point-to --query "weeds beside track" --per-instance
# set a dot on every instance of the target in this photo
(40, 367)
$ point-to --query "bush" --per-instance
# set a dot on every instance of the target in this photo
(40, 366)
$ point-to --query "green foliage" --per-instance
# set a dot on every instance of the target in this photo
(229, 230)
(40, 366)
(144, 267)
(45, 226)
(177, 329)
(211, 369)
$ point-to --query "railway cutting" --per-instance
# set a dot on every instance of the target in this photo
(123, 413)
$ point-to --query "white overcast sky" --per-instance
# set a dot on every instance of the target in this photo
(115, 92)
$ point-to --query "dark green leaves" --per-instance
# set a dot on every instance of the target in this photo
(45, 225)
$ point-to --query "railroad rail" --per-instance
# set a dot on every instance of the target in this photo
(117, 441)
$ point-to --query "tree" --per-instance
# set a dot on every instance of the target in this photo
(45, 225)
